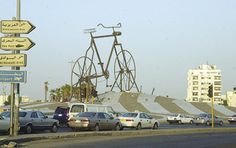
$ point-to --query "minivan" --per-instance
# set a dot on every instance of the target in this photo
(76, 108)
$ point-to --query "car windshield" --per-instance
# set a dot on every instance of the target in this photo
(86, 114)
(130, 115)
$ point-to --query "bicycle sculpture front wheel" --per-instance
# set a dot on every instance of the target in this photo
(124, 71)
(83, 77)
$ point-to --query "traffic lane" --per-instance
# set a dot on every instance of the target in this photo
(160, 141)
(174, 126)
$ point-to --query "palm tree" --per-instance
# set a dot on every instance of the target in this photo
(66, 92)
(52, 93)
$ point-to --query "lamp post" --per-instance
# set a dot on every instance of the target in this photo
(46, 90)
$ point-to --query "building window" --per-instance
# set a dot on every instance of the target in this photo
(195, 93)
(217, 94)
(217, 88)
(195, 83)
(217, 77)
(217, 83)
(195, 77)
(195, 99)
(195, 88)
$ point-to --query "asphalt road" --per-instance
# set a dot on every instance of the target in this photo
(213, 140)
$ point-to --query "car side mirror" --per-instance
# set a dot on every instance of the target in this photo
(45, 117)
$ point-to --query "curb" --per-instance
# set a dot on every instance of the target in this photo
(34, 137)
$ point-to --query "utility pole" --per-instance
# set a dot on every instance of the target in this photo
(17, 85)
(46, 90)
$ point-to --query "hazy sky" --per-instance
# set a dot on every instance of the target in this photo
(166, 38)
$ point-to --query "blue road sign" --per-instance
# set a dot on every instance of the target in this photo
(13, 76)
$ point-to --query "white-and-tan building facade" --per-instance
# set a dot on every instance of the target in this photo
(199, 80)
(231, 98)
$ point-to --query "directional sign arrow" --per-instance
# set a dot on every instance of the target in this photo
(16, 26)
(17, 60)
(16, 43)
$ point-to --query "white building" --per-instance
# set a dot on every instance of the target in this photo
(231, 98)
(199, 80)
(3, 98)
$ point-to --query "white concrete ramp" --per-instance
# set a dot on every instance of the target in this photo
(148, 101)
(112, 99)
(222, 109)
(188, 107)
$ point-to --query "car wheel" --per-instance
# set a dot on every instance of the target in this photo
(54, 128)
(155, 126)
(208, 123)
(97, 127)
(191, 122)
(221, 123)
(28, 129)
(139, 126)
(117, 127)
(180, 122)
(8, 131)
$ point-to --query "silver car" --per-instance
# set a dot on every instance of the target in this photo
(138, 120)
(207, 120)
(4, 124)
(35, 120)
(94, 121)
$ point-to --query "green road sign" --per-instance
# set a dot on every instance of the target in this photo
(16, 43)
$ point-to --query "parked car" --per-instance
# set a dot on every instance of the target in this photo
(207, 119)
(4, 124)
(94, 121)
(180, 119)
(5, 114)
(232, 119)
(61, 114)
(76, 108)
(138, 120)
(35, 120)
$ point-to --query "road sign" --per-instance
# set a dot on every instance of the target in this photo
(17, 60)
(13, 76)
(16, 43)
(16, 26)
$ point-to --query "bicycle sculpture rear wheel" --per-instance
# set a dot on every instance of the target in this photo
(124, 71)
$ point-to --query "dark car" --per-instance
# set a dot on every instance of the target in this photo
(62, 115)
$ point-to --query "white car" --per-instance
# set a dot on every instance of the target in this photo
(179, 118)
(232, 119)
(4, 124)
(138, 120)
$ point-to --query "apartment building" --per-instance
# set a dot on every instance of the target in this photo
(231, 98)
(200, 79)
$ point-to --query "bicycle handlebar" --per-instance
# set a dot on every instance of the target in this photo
(117, 26)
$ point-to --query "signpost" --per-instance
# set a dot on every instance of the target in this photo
(16, 26)
(16, 43)
(19, 60)
(13, 76)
